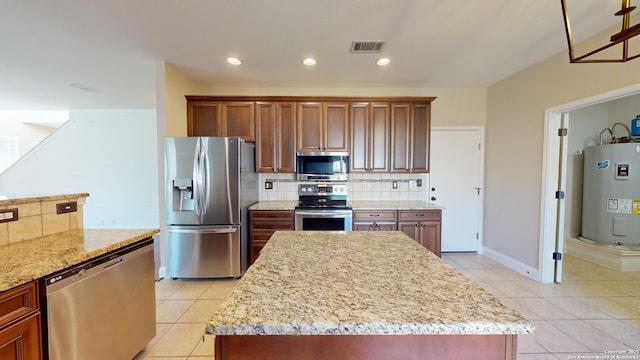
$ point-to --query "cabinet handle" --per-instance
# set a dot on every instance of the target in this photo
(422, 225)
(419, 214)
(417, 225)
(377, 225)
(374, 214)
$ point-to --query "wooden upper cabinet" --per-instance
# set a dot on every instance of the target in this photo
(336, 126)
(275, 137)
(369, 137)
(309, 126)
(410, 131)
(323, 126)
(238, 120)
(203, 118)
(421, 137)
(216, 118)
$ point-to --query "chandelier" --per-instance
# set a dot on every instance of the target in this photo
(628, 31)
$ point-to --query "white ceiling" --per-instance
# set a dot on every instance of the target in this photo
(113, 45)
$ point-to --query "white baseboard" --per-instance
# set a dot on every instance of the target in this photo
(162, 272)
(512, 264)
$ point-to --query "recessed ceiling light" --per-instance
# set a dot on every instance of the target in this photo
(309, 61)
(234, 61)
(383, 61)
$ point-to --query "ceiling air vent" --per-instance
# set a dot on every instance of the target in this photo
(366, 46)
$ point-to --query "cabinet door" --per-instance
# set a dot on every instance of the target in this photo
(363, 226)
(238, 120)
(420, 138)
(411, 228)
(359, 137)
(203, 118)
(309, 127)
(335, 127)
(400, 137)
(21, 341)
(266, 148)
(379, 138)
(386, 226)
(430, 236)
(286, 135)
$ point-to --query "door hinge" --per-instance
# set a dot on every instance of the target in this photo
(562, 132)
(557, 256)
(559, 194)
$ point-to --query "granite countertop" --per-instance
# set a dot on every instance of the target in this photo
(357, 205)
(30, 199)
(29, 260)
(358, 283)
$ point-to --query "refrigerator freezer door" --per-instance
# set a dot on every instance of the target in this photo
(202, 178)
(203, 251)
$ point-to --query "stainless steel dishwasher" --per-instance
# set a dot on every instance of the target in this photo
(103, 309)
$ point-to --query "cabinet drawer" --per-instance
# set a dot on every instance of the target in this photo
(274, 225)
(384, 215)
(271, 215)
(18, 302)
(419, 215)
(260, 236)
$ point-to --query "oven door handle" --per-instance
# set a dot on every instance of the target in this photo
(323, 213)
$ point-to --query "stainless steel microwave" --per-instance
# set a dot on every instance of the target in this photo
(323, 166)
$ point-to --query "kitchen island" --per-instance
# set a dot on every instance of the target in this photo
(360, 295)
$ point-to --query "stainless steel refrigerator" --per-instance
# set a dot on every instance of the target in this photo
(210, 183)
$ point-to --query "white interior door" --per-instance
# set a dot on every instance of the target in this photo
(455, 181)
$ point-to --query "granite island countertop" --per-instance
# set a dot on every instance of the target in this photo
(358, 283)
(357, 205)
(32, 259)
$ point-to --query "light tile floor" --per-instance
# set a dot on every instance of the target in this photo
(595, 311)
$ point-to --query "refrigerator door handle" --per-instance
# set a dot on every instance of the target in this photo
(204, 231)
(198, 178)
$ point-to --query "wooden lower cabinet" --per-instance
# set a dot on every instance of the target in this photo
(20, 329)
(370, 347)
(385, 220)
(422, 225)
(262, 224)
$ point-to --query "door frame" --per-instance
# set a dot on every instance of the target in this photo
(481, 129)
(550, 218)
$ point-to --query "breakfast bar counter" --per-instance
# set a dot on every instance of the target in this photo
(362, 295)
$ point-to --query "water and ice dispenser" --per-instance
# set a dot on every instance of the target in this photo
(183, 194)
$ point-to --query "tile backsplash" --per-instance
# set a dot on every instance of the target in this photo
(360, 187)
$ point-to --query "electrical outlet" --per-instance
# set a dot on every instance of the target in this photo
(7, 215)
(419, 182)
(394, 184)
(268, 185)
(412, 184)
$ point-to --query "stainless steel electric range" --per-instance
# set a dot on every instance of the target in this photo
(323, 207)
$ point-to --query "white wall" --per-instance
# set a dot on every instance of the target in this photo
(514, 145)
(110, 154)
